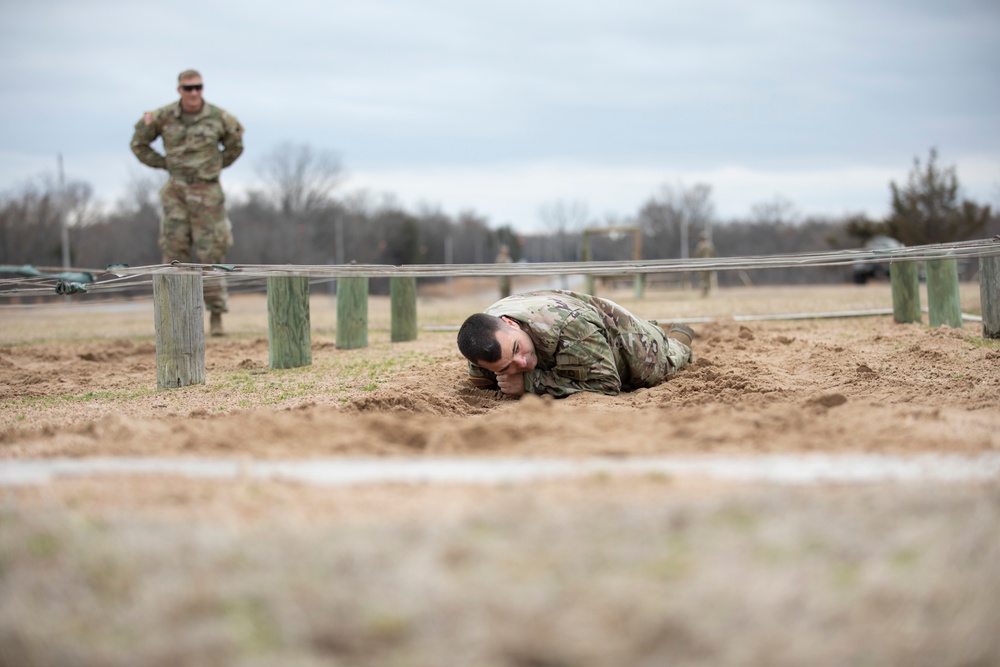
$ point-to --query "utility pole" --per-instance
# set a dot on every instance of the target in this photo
(63, 215)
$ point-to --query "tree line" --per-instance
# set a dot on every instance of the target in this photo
(297, 217)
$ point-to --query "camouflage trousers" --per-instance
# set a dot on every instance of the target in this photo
(650, 355)
(705, 281)
(194, 227)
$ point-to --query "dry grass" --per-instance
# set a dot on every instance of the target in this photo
(891, 576)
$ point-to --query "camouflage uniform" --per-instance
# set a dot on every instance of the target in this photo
(194, 222)
(586, 343)
(504, 283)
(705, 250)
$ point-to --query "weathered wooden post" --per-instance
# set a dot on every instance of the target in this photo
(639, 285)
(905, 280)
(989, 295)
(289, 335)
(403, 308)
(944, 304)
(179, 314)
(352, 313)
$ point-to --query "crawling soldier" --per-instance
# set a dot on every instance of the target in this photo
(559, 342)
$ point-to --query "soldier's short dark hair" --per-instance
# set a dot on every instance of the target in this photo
(188, 74)
(477, 338)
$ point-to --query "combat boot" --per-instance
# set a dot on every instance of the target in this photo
(215, 325)
(681, 333)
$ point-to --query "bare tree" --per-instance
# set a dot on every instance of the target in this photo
(142, 190)
(81, 207)
(778, 211)
(300, 179)
(31, 219)
(561, 216)
(564, 220)
(678, 213)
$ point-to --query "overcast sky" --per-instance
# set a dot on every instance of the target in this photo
(502, 108)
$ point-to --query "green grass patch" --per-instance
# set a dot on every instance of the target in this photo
(333, 374)
(988, 343)
(42, 402)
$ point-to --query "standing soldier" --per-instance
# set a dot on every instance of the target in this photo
(504, 283)
(704, 250)
(194, 222)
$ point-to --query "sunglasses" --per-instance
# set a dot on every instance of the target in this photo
(196, 86)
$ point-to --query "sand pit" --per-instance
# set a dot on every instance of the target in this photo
(81, 382)
(624, 569)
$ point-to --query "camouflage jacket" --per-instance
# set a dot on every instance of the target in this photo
(586, 343)
(190, 141)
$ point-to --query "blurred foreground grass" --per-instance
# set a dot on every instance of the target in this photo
(890, 575)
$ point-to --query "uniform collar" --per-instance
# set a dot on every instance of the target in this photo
(179, 110)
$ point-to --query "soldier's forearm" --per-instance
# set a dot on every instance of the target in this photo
(149, 157)
(230, 154)
(559, 385)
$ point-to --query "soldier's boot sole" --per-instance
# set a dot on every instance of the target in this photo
(681, 333)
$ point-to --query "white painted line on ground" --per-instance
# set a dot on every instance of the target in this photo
(779, 469)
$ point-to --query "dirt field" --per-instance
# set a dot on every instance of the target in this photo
(605, 570)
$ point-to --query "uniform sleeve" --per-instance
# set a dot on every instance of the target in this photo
(584, 362)
(146, 132)
(481, 378)
(232, 139)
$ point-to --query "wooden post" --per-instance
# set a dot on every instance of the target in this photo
(905, 280)
(944, 304)
(989, 295)
(639, 281)
(289, 342)
(352, 313)
(179, 312)
(403, 307)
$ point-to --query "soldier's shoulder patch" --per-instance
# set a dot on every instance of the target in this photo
(147, 118)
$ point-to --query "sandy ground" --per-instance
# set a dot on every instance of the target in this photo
(86, 386)
(877, 574)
